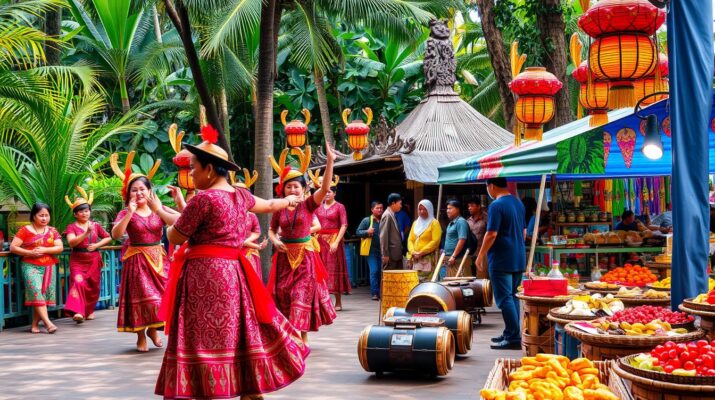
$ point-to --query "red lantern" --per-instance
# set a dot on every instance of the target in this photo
(535, 106)
(655, 82)
(593, 95)
(357, 132)
(623, 52)
(296, 130)
(183, 161)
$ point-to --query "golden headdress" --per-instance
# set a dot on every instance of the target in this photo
(78, 201)
(286, 172)
(248, 179)
(315, 178)
(127, 176)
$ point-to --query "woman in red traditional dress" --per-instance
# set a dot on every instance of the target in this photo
(334, 222)
(85, 237)
(38, 243)
(226, 338)
(144, 262)
(251, 246)
(298, 276)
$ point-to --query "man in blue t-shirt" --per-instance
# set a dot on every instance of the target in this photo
(455, 237)
(504, 247)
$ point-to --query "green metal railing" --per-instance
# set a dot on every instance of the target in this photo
(12, 286)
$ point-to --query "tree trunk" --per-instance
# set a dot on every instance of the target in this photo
(264, 116)
(157, 25)
(553, 37)
(499, 59)
(323, 106)
(222, 106)
(53, 28)
(180, 18)
(124, 93)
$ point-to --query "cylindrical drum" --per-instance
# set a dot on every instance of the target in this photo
(470, 293)
(406, 348)
(396, 287)
(430, 297)
(458, 322)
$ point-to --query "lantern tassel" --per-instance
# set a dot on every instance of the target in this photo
(621, 97)
(533, 133)
(598, 119)
(517, 133)
(579, 112)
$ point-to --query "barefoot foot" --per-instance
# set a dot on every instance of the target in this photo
(142, 347)
(154, 336)
(78, 318)
(35, 329)
(90, 317)
(52, 329)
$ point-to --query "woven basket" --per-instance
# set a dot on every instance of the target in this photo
(689, 303)
(707, 314)
(597, 290)
(568, 317)
(499, 377)
(546, 300)
(641, 301)
(659, 289)
(695, 391)
(630, 341)
(625, 364)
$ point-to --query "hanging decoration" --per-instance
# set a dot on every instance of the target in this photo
(593, 94)
(182, 160)
(535, 105)
(626, 139)
(296, 129)
(607, 140)
(623, 50)
(517, 62)
(357, 132)
(666, 126)
(657, 81)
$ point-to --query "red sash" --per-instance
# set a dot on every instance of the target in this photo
(262, 301)
(328, 231)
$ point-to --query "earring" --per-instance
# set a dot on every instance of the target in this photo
(209, 176)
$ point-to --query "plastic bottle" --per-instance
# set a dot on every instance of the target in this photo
(596, 274)
(555, 272)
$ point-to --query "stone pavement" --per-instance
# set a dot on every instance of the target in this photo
(94, 361)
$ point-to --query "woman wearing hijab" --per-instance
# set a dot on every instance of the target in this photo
(423, 241)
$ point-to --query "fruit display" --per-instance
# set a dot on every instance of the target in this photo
(653, 328)
(592, 306)
(638, 293)
(647, 314)
(691, 359)
(601, 286)
(705, 298)
(551, 377)
(665, 283)
(617, 238)
(629, 275)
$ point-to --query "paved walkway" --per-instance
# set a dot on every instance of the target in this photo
(93, 361)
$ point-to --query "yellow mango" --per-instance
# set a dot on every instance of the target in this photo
(557, 367)
(587, 371)
(573, 393)
(489, 394)
(580, 363)
(530, 361)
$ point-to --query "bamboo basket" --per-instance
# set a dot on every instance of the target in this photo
(624, 364)
(707, 319)
(560, 318)
(650, 389)
(630, 302)
(537, 334)
(689, 303)
(659, 289)
(499, 377)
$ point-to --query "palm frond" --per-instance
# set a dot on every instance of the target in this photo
(311, 41)
(230, 25)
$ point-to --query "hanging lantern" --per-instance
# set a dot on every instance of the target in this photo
(182, 159)
(535, 106)
(592, 95)
(357, 132)
(623, 50)
(296, 129)
(655, 82)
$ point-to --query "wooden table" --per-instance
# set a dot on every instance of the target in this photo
(537, 332)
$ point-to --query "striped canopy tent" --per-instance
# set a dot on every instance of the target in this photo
(578, 151)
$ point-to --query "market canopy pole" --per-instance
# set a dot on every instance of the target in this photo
(690, 45)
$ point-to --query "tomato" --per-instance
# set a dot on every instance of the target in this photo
(668, 369)
(675, 363)
(689, 365)
(673, 354)
(702, 343)
(681, 347)
(669, 345)
(708, 360)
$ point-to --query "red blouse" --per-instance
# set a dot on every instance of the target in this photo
(99, 234)
(32, 240)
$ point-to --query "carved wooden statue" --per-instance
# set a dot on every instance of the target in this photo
(439, 64)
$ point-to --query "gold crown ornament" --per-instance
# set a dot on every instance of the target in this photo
(248, 179)
(286, 172)
(83, 199)
(315, 178)
(182, 160)
(210, 149)
(127, 176)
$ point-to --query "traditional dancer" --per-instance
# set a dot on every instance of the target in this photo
(298, 276)
(226, 338)
(334, 223)
(85, 237)
(38, 243)
(145, 265)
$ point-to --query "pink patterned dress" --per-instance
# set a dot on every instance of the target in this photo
(144, 274)
(252, 254)
(85, 271)
(331, 220)
(217, 346)
(298, 288)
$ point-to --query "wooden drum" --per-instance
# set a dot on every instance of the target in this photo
(396, 287)
(406, 347)
(458, 322)
(470, 293)
(430, 297)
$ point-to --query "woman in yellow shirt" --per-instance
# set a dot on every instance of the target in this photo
(423, 241)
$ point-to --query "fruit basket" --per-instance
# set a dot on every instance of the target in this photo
(625, 363)
(624, 341)
(646, 388)
(689, 303)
